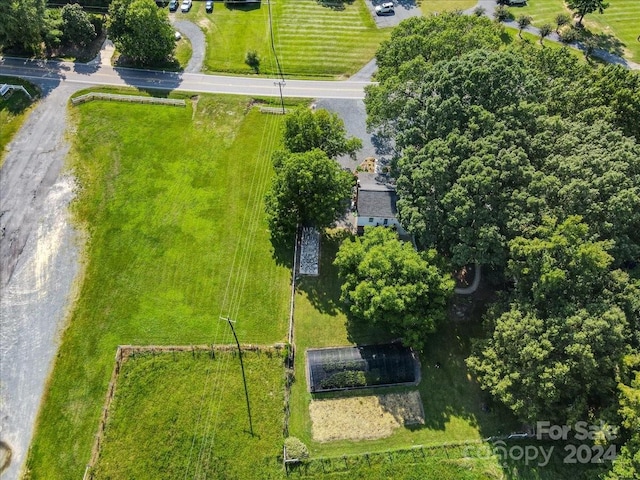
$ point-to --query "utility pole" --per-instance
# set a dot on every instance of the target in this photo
(244, 379)
(281, 84)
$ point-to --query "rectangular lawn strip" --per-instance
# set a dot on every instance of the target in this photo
(310, 39)
(172, 200)
(183, 415)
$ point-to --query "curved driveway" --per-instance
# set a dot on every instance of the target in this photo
(198, 43)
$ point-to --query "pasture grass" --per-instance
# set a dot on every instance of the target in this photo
(311, 38)
(14, 110)
(184, 415)
(172, 201)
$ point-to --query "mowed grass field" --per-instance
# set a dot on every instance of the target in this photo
(310, 39)
(437, 6)
(183, 415)
(619, 20)
(172, 201)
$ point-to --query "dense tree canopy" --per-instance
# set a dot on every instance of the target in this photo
(554, 352)
(387, 283)
(485, 150)
(309, 189)
(305, 129)
(141, 31)
(22, 24)
(76, 25)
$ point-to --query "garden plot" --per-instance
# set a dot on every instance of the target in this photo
(309, 251)
(364, 418)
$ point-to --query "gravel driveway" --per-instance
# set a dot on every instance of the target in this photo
(403, 9)
(198, 42)
(39, 257)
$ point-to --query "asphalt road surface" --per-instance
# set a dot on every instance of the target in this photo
(51, 74)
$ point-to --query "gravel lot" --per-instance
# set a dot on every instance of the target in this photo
(403, 9)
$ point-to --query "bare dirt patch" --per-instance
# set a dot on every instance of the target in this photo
(364, 418)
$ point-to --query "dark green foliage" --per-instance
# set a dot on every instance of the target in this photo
(555, 350)
(545, 31)
(523, 22)
(435, 38)
(309, 189)
(387, 283)
(22, 24)
(141, 31)
(76, 25)
(305, 129)
(344, 379)
(52, 33)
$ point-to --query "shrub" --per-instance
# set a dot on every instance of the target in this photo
(569, 35)
(295, 449)
(252, 60)
(502, 13)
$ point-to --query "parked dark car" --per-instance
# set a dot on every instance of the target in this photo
(209, 6)
(173, 5)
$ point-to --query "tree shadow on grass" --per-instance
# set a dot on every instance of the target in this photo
(337, 5)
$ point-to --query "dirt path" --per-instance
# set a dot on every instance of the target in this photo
(39, 259)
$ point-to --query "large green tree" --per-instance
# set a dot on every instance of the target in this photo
(309, 189)
(305, 129)
(554, 351)
(627, 464)
(388, 283)
(584, 7)
(141, 31)
(76, 25)
(22, 23)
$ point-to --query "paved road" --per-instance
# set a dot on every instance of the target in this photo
(51, 74)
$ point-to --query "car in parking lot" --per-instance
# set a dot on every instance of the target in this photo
(186, 6)
(173, 5)
(208, 6)
(386, 7)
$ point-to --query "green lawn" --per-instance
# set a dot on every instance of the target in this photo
(14, 110)
(184, 415)
(437, 6)
(620, 21)
(172, 200)
(310, 39)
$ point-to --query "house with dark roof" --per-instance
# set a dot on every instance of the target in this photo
(376, 204)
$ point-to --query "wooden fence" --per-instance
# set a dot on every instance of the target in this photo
(127, 98)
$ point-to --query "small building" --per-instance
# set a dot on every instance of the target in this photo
(375, 204)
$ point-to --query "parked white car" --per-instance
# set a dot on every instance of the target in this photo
(386, 7)
(186, 6)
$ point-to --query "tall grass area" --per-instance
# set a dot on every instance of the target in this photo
(310, 39)
(14, 109)
(184, 415)
(172, 199)
(620, 20)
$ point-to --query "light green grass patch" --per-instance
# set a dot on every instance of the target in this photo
(183, 51)
(14, 110)
(310, 39)
(183, 415)
(439, 6)
(173, 201)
